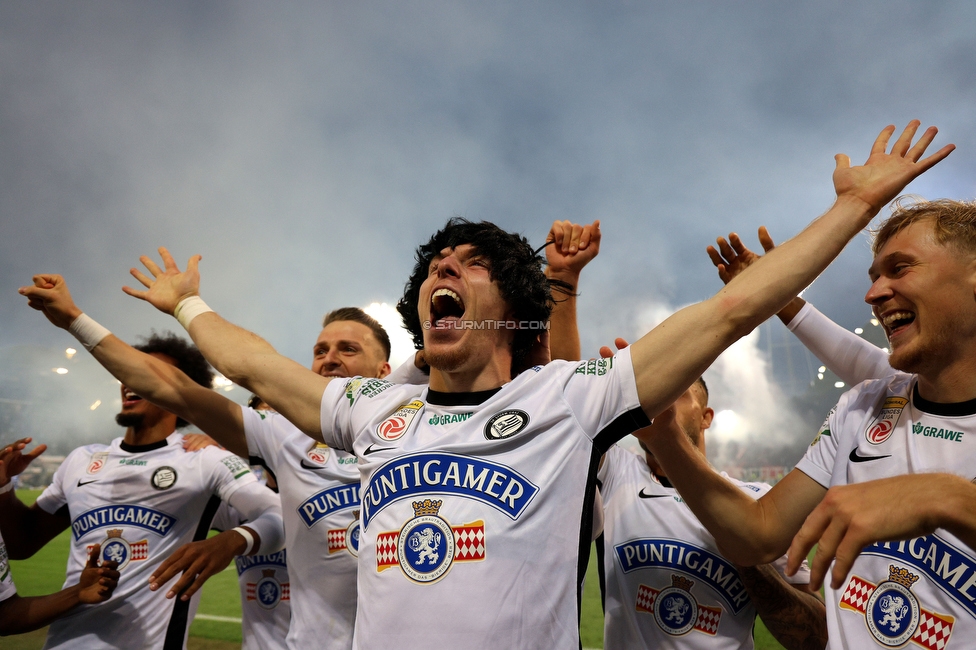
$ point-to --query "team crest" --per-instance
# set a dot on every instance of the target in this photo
(427, 546)
(163, 478)
(880, 430)
(506, 424)
(318, 453)
(346, 539)
(116, 548)
(97, 462)
(268, 591)
(396, 425)
(892, 612)
(675, 609)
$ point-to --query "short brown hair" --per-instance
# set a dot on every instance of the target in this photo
(954, 222)
(357, 315)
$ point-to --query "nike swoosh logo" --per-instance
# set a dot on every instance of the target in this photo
(86, 482)
(307, 466)
(370, 450)
(855, 458)
(651, 496)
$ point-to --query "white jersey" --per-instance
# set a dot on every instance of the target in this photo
(499, 483)
(7, 588)
(922, 591)
(265, 591)
(667, 585)
(319, 489)
(141, 504)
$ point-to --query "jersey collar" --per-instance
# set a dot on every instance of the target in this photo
(938, 408)
(139, 449)
(460, 399)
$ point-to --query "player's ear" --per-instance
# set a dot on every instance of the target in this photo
(383, 371)
(707, 415)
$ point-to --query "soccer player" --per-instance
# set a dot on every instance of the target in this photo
(667, 583)
(477, 489)
(886, 486)
(95, 585)
(140, 498)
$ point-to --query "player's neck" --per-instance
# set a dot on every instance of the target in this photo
(951, 384)
(495, 373)
(141, 436)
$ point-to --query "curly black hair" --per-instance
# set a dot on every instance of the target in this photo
(513, 265)
(187, 357)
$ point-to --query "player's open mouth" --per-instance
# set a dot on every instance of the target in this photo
(129, 398)
(896, 321)
(445, 304)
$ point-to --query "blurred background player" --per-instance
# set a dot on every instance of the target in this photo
(140, 498)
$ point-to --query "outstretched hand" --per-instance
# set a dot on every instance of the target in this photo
(885, 174)
(197, 561)
(49, 294)
(851, 517)
(732, 257)
(168, 286)
(13, 461)
(572, 246)
(97, 581)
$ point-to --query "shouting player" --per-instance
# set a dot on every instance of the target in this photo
(476, 490)
(140, 498)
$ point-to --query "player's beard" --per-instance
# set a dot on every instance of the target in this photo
(127, 420)
(935, 353)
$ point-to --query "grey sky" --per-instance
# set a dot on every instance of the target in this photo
(305, 149)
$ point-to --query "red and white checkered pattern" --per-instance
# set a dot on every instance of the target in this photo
(139, 550)
(645, 598)
(386, 550)
(337, 540)
(469, 541)
(708, 619)
(933, 629)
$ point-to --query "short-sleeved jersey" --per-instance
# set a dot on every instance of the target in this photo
(7, 588)
(141, 504)
(476, 506)
(265, 591)
(667, 585)
(319, 489)
(920, 592)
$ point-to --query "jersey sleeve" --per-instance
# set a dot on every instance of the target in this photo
(802, 575)
(264, 435)
(226, 518)
(53, 496)
(850, 357)
(408, 373)
(348, 405)
(609, 473)
(7, 588)
(228, 472)
(602, 394)
(818, 461)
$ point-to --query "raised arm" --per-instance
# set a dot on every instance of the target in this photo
(679, 350)
(850, 357)
(241, 356)
(569, 248)
(25, 529)
(149, 377)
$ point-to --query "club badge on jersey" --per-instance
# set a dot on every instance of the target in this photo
(116, 548)
(675, 609)
(427, 546)
(880, 430)
(267, 591)
(396, 425)
(346, 539)
(892, 612)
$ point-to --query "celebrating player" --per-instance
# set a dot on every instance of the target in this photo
(476, 490)
(140, 498)
(667, 583)
(23, 614)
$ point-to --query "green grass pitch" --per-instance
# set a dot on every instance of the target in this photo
(44, 573)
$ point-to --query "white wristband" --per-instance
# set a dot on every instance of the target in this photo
(8, 487)
(248, 537)
(87, 331)
(188, 309)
